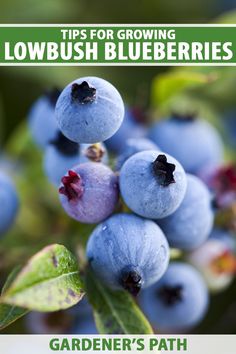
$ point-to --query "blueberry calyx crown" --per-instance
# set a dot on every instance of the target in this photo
(83, 93)
(184, 117)
(164, 170)
(225, 178)
(65, 146)
(223, 182)
(132, 282)
(95, 153)
(72, 186)
(53, 95)
(171, 295)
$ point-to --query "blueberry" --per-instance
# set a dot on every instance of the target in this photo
(216, 261)
(89, 110)
(178, 301)
(221, 181)
(9, 165)
(131, 147)
(129, 252)
(42, 121)
(89, 193)
(152, 184)
(63, 154)
(132, 127)
(190, 225)
(193, 142)
(9, 203)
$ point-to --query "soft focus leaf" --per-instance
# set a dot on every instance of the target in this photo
(10, 313)
(43, 11)
(18, 144)
(167, 85)
(115, 312)
(49, 282)
(226, 18)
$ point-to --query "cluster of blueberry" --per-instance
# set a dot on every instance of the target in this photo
(172, 186)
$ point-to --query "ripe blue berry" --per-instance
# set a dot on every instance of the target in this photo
(89, 193)
(193, 142)
(62, 154)
(9, 203)
(128, 252)
(222, 183)
(89, 110)
(152, 184)
(190, 225)
(133, 146)
(132, 127)
(178, 301)
(42, 121)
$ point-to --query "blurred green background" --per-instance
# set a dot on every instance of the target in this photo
(41, 220)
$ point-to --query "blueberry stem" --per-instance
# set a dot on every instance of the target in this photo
(72, 186)
(163, 170)
(95, 153)
(83, 93)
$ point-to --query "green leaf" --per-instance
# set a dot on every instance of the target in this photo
(115, 312)
(20, 140)
(228, 17)
(10, 313)
(10, 279)
(49, 282)
(169, 84)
